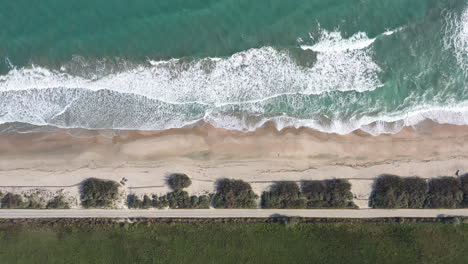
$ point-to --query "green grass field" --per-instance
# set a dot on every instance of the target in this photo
(234, 243)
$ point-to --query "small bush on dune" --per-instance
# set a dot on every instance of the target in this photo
(388, 192)
(201, 202)
(334, 193)
(391, 191)
(416, 190)
(234, 194)
(283, 195)
(147, 202)
(464, 187)
(12, 201)
(444, 192)
(134, 201)
(99, 193)
(179, 181)
(58, 202)
(178, 199)
(340, 194)
(316, 193)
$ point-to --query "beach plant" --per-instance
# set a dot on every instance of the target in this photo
(133, 201)
(232, 193)
(392, 191)
(174, 200)
(178, 199)
(58, 202)
(415, 189)
(444, 192)
(178, 181)
(99, 193)
(334, 193)
(464, 187)
(283, 195)
(388, 192)
(12, 201)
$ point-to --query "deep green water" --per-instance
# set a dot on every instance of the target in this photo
(332, 65)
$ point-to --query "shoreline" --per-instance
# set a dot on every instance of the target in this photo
(207, 154)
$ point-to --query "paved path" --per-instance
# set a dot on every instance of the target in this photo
(219, 213)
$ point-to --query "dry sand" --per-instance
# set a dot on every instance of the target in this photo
(55, 161)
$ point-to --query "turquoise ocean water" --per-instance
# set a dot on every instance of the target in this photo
(332, 65)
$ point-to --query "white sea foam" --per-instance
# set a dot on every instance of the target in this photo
(110, 110)
(245, 76)
(161, 94)
(457, 38)
(375, 125)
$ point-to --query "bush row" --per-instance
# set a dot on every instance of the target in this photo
(391, 191)
(16, 201)
(176, 200)
(334, 193)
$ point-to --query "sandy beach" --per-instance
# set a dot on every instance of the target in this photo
(57, 161)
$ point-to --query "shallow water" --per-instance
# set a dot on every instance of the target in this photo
(335, 66)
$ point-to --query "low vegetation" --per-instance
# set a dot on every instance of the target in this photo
(58, 202)
(178, 199)
(17, 201)
(334, 193)
(12, 201)
(464, 187)
(284, 195)
(391, 191)
(315, 194)
(228, 241)
(444, 192)
(179, 181)
(173, 200)
(98, 193)
(232, 193)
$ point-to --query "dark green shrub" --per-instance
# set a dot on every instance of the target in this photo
(234, 194)
(58, 202)
(316, 193)
(134, 202)
(283, 195)
(178, 181)
(147, 202)
(444, 192)
(340, 194)
(155, 201)
(200, 202)
(204, 202)
(334, 193)
(464, 186)
(33, 204)
(388, 192)
(99, 193)
(391, 191)
(12, 201)
(178, 199)
(416, 190)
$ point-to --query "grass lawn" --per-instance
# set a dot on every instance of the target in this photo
(235, 243)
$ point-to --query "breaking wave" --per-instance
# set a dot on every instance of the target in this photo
(295, 87)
